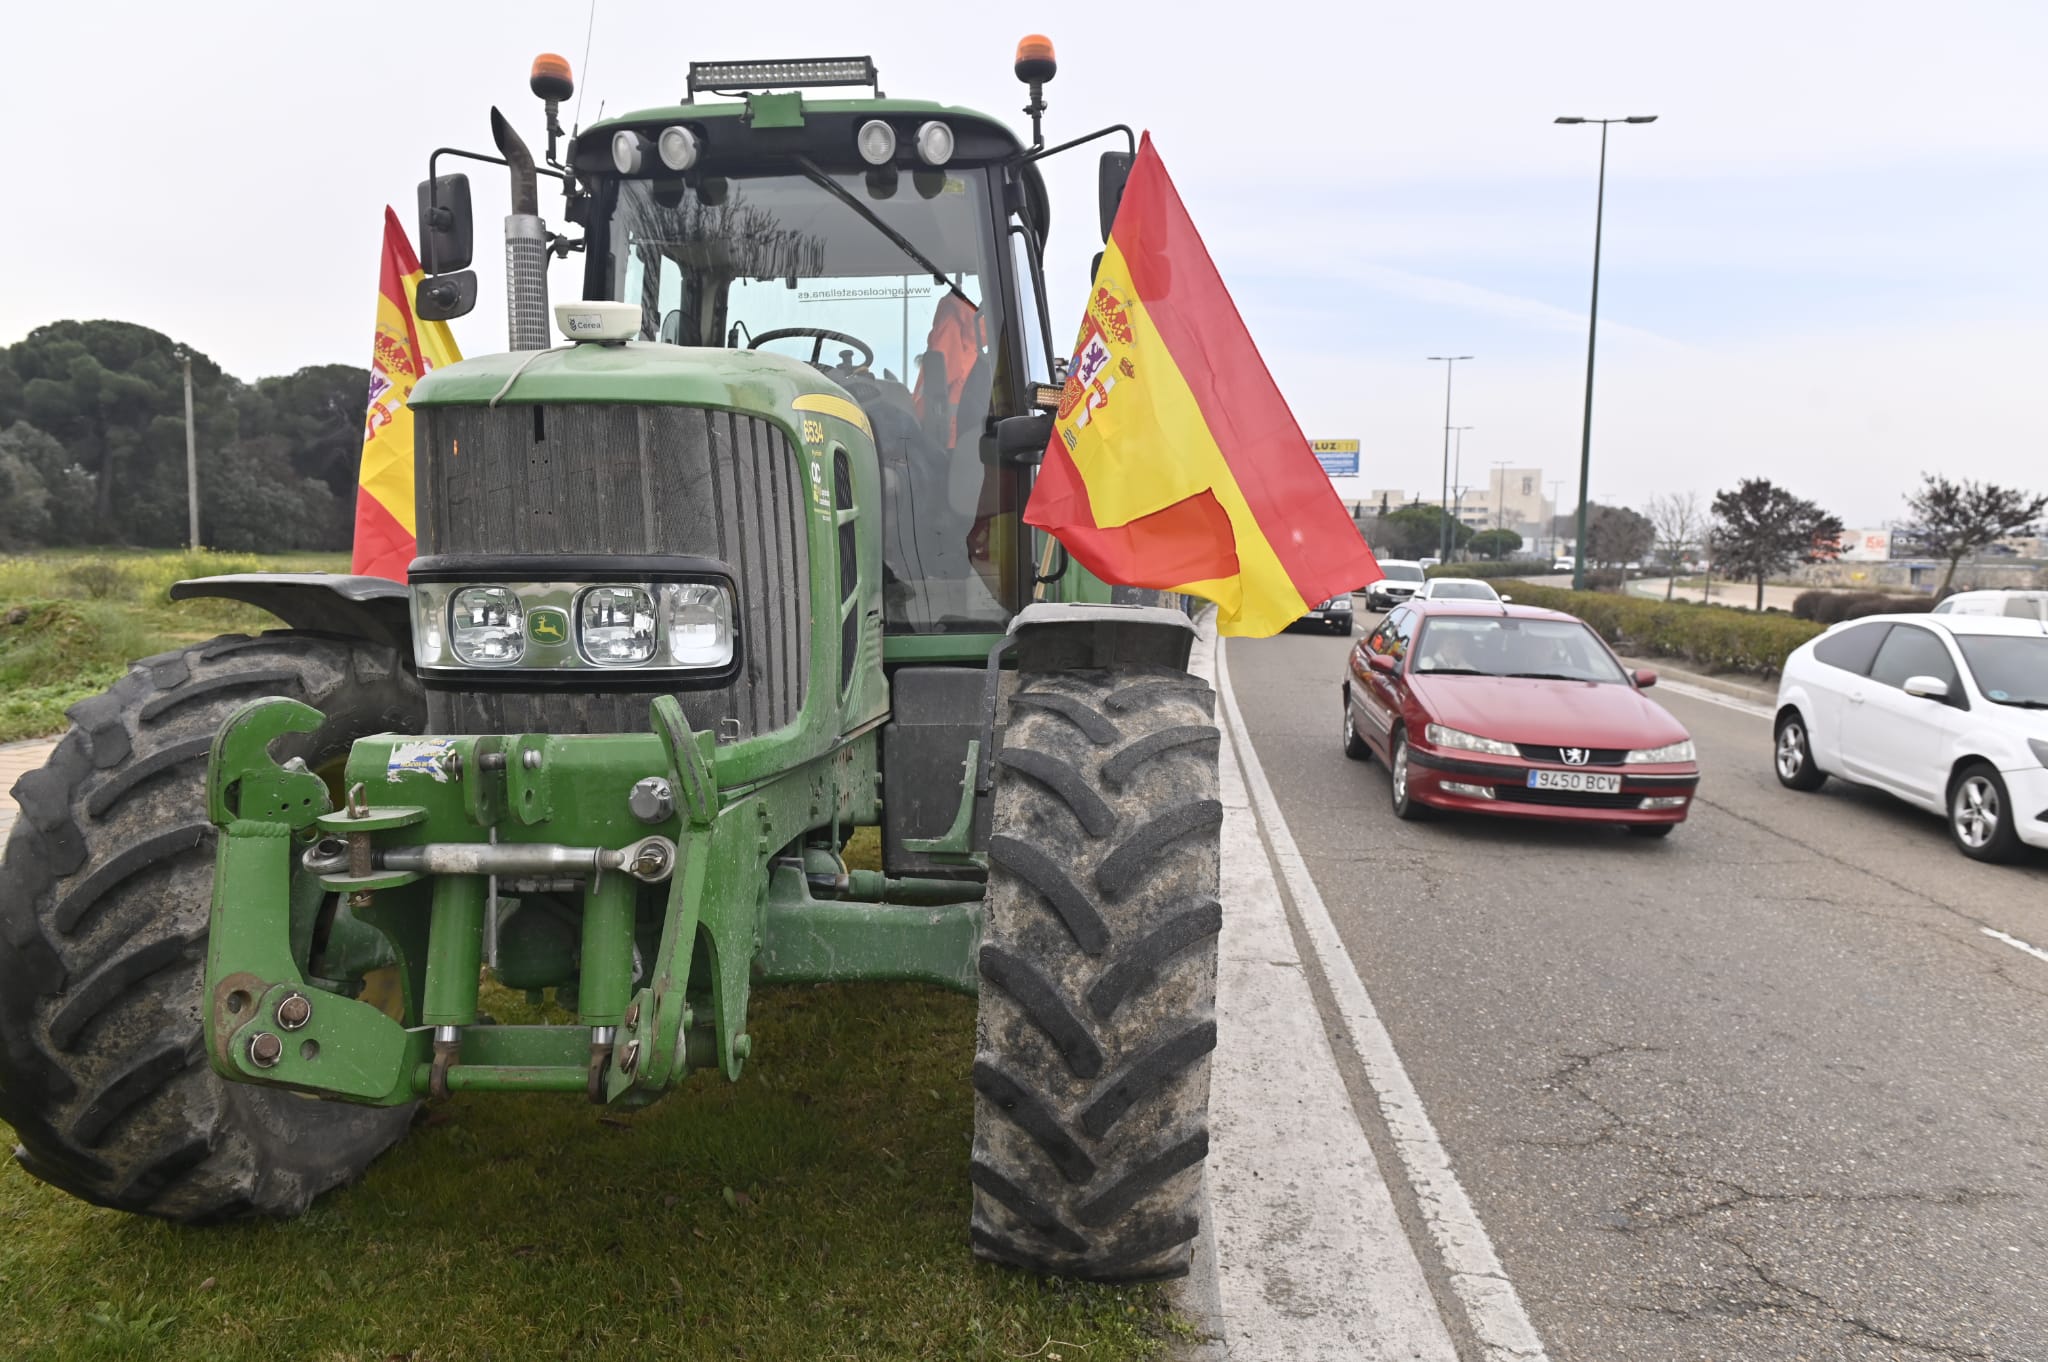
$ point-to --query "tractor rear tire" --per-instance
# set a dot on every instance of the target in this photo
(104, 898)
(1098, 976)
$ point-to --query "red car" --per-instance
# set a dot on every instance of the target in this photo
(1507, 709)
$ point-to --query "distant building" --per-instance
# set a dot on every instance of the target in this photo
(1866, 546)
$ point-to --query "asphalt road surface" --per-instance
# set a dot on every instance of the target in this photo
(1766, 1089)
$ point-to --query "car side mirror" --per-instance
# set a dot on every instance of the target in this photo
(1382, 662)
(447, 229)
(1112, 172)
(1505, 598)
(1927, 687)
(1645, 678)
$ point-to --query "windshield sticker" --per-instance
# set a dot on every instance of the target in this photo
(1998, 695)
(429, 757)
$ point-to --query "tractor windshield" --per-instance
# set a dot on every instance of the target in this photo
(841, 274)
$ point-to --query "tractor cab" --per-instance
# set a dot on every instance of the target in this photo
(894, 245)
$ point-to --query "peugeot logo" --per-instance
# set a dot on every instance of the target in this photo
(1574, 756)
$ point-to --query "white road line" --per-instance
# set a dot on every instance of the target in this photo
(2014, 941)
(1311, 1261)
(1491, 1303)
(1714, 697)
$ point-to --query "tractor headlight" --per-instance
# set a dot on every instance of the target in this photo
(934, 143)
(487, 626)
(628, 152)
(699, 625)
(877, 141)
(683, 624)
(677, 147)
(615, 625)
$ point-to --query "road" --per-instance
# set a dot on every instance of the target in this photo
(1764, 1090)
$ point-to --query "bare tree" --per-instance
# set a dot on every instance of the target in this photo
(1678, 521)
(1955, 519)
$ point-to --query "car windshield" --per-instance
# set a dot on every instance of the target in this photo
(2010, 669)
(1489, 645)
(837, 269)
(1402, 572)
(1462, 591)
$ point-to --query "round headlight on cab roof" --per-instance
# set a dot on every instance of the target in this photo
(877, 141)
(628, 152)
(677, 147)
(934, 143)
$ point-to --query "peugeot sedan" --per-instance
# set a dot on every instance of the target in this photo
(1511, 710)
(1949, 712)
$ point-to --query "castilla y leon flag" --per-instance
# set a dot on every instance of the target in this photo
(1174, 461)
(405, 348)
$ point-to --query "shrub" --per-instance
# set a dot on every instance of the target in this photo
(1716, 637)
(1506, 567)
(97, 578)
(1832, 607)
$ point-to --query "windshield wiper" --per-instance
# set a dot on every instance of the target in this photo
(1450, 671)
(838, 191)
(1546, 676)
(2023, 704)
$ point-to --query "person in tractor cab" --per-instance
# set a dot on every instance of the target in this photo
(954, 357)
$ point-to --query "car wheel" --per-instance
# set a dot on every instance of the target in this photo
(1354, 746)
(1650, 829)
(1405, 805)
(1980, 815)
(1794, 755)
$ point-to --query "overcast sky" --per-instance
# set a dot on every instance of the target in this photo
(1823, 263)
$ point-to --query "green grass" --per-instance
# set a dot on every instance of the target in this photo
(815, 1209)
(71, 622)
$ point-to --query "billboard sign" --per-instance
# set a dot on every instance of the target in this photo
(1339, 458)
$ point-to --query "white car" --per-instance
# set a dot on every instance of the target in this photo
(2020, 605)
(1564, 565)
(1949, 712)
(1459, 589)
(1403, 579)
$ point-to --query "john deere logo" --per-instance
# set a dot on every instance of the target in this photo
(548, 625)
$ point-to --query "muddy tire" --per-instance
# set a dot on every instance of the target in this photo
(104, 894)
(1098, 976)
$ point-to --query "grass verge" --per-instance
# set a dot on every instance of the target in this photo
(815, 1209)
(70, 623)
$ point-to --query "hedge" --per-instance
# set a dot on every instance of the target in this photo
(1832, 607)
(1484, 567)
(1716, 637)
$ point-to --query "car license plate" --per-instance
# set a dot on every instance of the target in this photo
(1577, 782)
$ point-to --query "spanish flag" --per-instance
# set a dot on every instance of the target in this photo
(1174, 461)
(405, 348)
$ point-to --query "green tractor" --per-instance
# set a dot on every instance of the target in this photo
(736, 572)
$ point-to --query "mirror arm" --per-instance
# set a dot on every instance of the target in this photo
(1040, 153)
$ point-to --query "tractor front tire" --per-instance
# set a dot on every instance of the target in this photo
(1098, 976)
(104, 898)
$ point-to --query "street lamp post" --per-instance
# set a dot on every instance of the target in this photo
(1450, 363)
(191, 455)
(1555, 483)
(1457, 476)
(1592, 336)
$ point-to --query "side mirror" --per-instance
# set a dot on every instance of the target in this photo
(1645, 678)
(1382, 662)
(445, 297)
(1111, 173)
(1022, 439)
(1927, 687)
(1505, 598)
(447, 229)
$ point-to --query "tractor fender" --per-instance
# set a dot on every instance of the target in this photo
(373, 609)
(1062, 636)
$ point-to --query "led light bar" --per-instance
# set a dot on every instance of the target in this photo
(734, 77)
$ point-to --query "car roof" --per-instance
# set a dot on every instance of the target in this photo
(1399, 562)
(1957, 624)
(1490, 609)
(1998, 593)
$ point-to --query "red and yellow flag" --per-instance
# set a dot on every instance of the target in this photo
(1174, 461)
(405, 349)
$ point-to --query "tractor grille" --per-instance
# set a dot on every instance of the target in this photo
(617, 479)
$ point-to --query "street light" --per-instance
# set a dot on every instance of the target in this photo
(191, 454)
(1592, 335)
(1457, 474)
(1450, 363)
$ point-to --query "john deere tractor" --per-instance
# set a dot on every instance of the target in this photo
(736, 571)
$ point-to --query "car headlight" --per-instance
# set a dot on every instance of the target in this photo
(1439, 736)
(1671, 751)
(643, 626)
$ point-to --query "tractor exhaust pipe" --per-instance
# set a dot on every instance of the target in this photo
(526, 244)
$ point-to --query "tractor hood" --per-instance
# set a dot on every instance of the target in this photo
(752, 381)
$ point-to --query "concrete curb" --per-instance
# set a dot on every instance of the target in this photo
(1756, 692)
